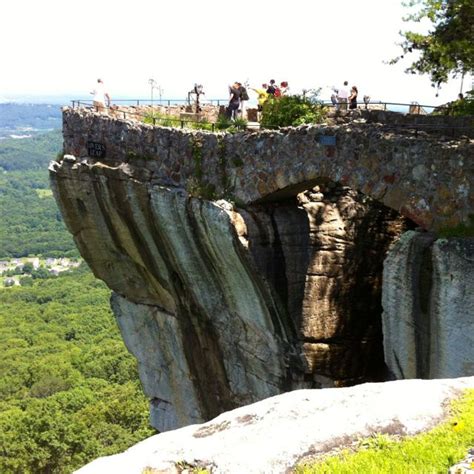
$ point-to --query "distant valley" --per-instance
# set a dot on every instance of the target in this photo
(19, 121)
(69, 390)
(31, 223)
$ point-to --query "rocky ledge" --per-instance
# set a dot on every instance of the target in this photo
(276, 434)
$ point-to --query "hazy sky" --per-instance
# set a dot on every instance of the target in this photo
(62, 47)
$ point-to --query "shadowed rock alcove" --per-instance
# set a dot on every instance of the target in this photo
(322, 253)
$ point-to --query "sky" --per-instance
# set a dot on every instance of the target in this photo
(61, 47)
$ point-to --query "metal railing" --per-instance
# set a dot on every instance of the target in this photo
(388, 106)
(152, 119)
(212, 126)
(162, 102)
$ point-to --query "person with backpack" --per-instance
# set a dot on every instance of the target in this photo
(234, 101)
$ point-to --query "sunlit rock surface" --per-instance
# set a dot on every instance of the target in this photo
(276, 434)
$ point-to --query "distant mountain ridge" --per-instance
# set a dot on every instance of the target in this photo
(24, 120)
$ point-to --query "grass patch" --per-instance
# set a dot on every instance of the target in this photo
(431, 452)
(164, 120)
(224, 123)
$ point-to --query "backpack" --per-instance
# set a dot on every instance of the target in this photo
(244, 95)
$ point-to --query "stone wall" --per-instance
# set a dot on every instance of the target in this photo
(208, 113)
(425, 178)
(435, 124)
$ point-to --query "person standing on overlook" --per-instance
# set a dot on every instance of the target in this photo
(262, 97)
(284, 88)
(353, 98)
(271, 88)
(244, 96)
(101, 96)
(342, 96)
(234, 101)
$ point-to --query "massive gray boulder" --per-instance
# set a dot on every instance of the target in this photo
(276, 434)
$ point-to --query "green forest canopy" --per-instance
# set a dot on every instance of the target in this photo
(69, 390)
(31, 222)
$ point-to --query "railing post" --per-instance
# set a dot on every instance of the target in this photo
(154, 121)
(182, 123)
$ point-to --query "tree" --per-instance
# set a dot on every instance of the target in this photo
(28, 267)
(448, 48)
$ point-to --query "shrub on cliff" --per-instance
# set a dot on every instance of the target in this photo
(458, 107)
(291, 111)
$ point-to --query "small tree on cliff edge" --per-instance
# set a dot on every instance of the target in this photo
(446, 49)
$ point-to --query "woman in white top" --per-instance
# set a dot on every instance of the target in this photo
(101, 96)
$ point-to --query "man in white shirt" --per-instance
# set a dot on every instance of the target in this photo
(343, 95)
(101, 96)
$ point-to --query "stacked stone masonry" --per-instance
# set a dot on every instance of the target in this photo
(423, 177)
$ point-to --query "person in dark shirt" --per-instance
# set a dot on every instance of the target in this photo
(353, 98)
(234, 100)
(271, 88)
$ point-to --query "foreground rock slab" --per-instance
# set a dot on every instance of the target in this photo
(275, 434)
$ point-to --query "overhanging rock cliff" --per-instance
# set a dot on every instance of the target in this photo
(223, 304)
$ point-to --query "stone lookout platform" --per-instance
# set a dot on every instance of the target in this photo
(428, 177)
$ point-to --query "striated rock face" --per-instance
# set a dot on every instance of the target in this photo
(428, 301)
(223, 306)
(314, 252)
